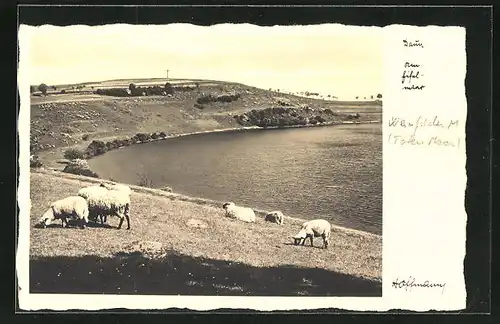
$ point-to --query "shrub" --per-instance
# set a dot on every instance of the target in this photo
(35, 161)
(96, 148)
(320, 119)
(154, 91)
(72, 154)
(142, 137)
(79, 167)
(116, 92)
(163, 134)
(43, 88)
(328, 111)
(169, 89)
(85, 137)
(218, 98)
(197, 105)
(144, 181)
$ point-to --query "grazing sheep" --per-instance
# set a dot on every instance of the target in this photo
(275, 217)
(91, 191)
(116, 186)
(241, 213)
(314, 228)
(103, 202)
(70, 207)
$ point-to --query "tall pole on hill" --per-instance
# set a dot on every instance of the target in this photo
(167, 74)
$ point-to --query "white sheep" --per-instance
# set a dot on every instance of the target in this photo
(275, 217)
(114, 186)
(314, 228)
(241, 213)
(103, 202)
(70, 207)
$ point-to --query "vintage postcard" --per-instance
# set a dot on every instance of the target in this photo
(242, 166)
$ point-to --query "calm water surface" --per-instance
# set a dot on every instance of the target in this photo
(320, 172)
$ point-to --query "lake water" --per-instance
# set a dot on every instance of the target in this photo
(330, 172)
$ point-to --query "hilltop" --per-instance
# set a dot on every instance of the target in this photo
(72, 116)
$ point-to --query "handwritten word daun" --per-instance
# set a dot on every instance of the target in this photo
(415, 43)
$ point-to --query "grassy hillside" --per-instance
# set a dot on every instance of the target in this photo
(164, 253)
(60, 121)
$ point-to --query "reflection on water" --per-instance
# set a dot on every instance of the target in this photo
(321, 172)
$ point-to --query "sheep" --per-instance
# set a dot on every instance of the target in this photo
(70, 207)
(116, 186)
(275, 217)
(241, 213)
(91, 191)
(314, 228)
(103, 202)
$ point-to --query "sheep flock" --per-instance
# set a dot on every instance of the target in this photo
(95, 203)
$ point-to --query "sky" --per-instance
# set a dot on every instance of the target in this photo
(344, 61)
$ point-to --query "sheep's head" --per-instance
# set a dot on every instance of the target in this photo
(46, 219)
(228, 205)
(105, 185)
(299, 237)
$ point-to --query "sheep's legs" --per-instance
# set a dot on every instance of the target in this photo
(325, 241)
(127, 215)
(128, 221)
(122, 218)
(121, 222)
(311, 239)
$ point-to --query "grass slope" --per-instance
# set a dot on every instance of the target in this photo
(227, 257)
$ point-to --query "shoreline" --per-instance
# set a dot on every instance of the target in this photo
(186, 198)
(245, 128)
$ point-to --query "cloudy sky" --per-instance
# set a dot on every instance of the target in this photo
(344, 61)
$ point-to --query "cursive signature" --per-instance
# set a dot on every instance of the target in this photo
(411, 283)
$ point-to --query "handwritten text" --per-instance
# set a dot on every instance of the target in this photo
(406, 131)
(415, 43)
(412, 74)
(411, 283)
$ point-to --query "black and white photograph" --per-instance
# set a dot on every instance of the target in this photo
(229, 160)
(241, 164)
